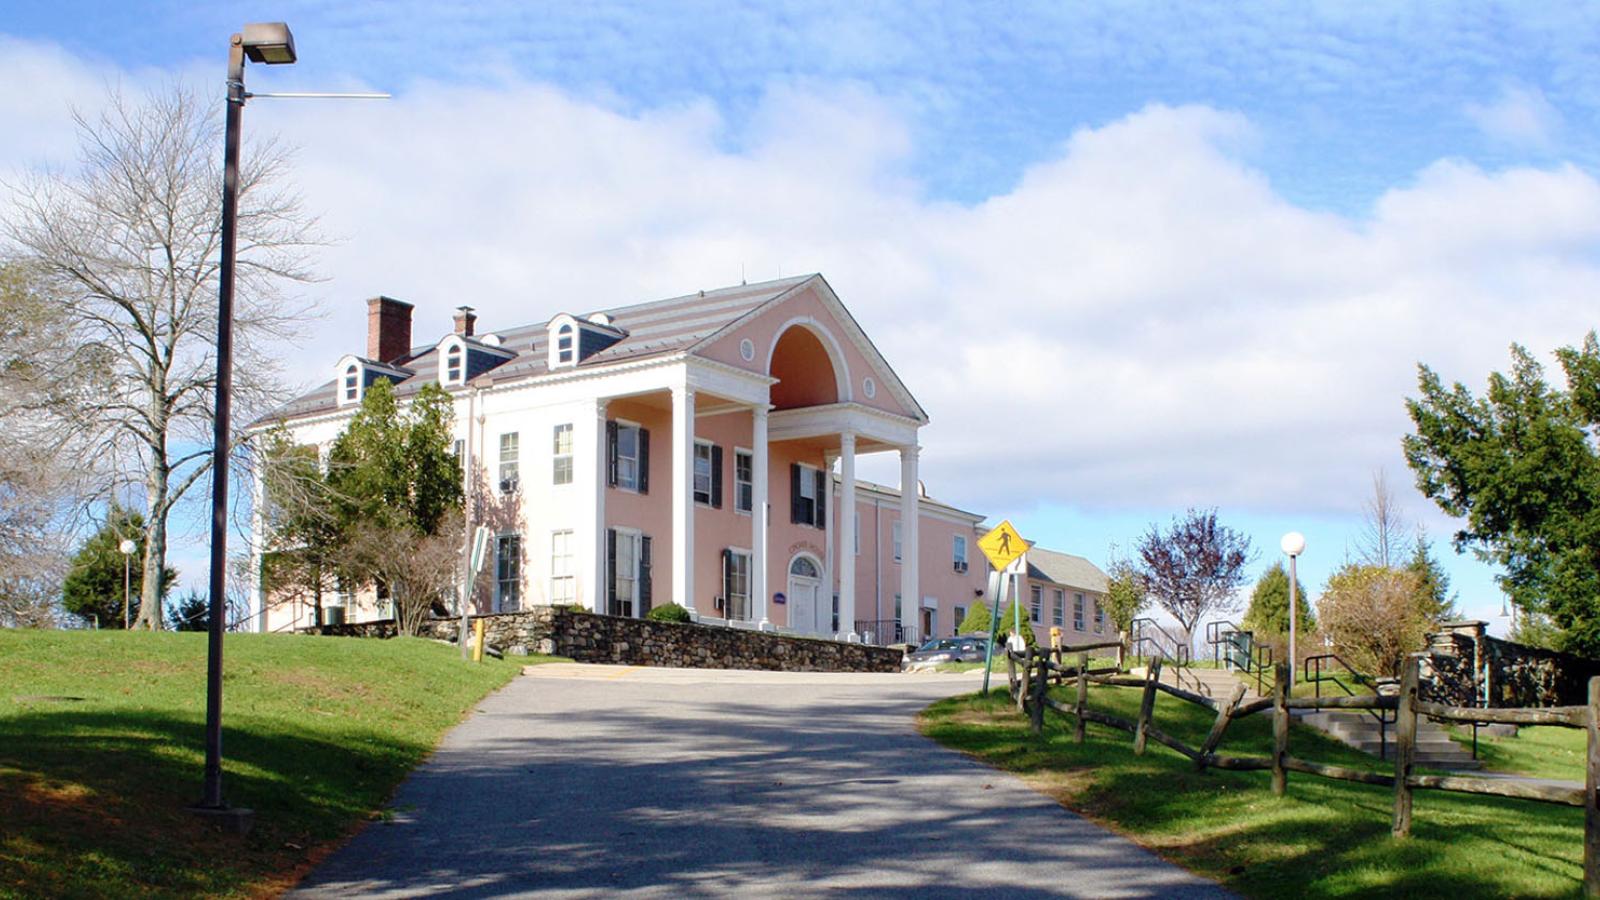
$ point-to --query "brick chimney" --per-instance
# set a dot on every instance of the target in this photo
(465, 320)
(388, 329)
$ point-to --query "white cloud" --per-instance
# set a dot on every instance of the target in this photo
(1142, 322)
(1520, 116)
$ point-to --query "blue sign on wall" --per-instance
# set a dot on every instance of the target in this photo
(779, 599)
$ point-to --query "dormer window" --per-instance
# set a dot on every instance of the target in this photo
(564, 345)
(453, 364)
(352, 383)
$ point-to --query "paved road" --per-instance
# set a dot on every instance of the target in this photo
(591, 781)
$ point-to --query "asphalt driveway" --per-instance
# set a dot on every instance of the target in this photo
(598, 781)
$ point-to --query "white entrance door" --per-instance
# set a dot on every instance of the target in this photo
(804, 579)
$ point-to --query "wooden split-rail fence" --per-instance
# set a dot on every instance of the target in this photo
(1031, 673)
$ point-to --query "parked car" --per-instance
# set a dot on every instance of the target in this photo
(961, 648)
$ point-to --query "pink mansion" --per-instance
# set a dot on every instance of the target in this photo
(699, 450)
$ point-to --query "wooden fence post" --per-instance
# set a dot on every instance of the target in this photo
(1405, 749)
(1224, 716)
(1591, 812)
(1147, 705)
(1011, 674)
(1280, 728)
(1041, 684)
(1122, 651)
(1082, 702)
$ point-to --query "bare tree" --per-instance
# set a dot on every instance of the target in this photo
(417, 570)
(1385, 536)
(130, 243)
(1195, 568)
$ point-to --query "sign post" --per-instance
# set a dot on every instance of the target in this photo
(475, 560)
(1004, 547)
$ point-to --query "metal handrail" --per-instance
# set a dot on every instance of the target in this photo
(1258, 658)
(1179, 656)
(1314, 675)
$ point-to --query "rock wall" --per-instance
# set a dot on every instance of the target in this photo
(587, 637)
(1465, 665)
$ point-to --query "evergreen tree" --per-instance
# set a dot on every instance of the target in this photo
(1435, 601)
(977, 621)
(192, 612)
(1268, 615)
(1520, 465)
(93, 589)
(1008, 624)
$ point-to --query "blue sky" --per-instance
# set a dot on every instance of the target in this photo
(1215, 238)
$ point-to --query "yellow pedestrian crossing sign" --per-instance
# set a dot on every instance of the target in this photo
(1002, 545)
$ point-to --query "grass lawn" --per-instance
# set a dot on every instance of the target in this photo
(317, 732)
(1538, 751)
(1326, 838)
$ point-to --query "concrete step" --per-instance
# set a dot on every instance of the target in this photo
(1434, 748)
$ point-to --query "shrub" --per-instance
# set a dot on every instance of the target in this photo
(671, 612)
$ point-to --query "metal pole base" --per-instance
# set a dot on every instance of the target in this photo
(231, 819)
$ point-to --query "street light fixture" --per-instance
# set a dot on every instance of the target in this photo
(1294, 544)
(127, 547)
(269, 43)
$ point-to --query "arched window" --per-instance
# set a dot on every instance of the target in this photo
(452, 364)
(352, 383)
(804, 567)
(564, 350)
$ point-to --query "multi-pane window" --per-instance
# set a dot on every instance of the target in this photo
(1077, 612)
(564, 348)
(508, 572)
(352, 383)
(702, 473)
(628, 456)
(1099, 617)
(744, 491)
(452, 365)
(459, 448)
(1036, 604)
(1058, 610)
(806, 505)
(959, 617)
(736, 585)
(958, 552)
(509, 467)
(563, 578)
(897, 542)
(561, 460)
(625, 574)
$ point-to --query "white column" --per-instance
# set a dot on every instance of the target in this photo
(847, 534)
(830, 559)
(595, 556)
(758, 513)
(683, 496)
(910, 599)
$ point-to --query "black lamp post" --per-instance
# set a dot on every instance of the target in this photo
(269, 43)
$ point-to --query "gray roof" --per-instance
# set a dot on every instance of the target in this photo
(656, 328)
(1066, 570)
(895, 492)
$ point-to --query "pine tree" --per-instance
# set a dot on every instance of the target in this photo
(1435, 601)
(1268, 615)
(977, 621)
(94, 586)
(1008, 624)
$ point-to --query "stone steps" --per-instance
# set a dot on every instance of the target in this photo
(1435, 749)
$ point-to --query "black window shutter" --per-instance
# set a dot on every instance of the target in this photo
(611, 453)
(646, 566)
(644, 460)
(611, 571)
(796, 508)
(716, 477)
(727, 584)
(822, 499)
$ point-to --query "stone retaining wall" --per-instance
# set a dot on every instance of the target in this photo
(1463, 659)
(587, 637)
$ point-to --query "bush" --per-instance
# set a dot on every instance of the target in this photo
(671, 612)
(978, 619)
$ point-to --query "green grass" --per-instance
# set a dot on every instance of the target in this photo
(317, 732)
(1325, 838)
(1538, 751)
